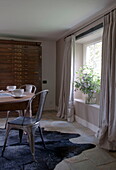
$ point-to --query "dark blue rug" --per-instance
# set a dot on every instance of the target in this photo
(18, 157)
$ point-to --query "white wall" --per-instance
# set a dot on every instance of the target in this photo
(49, 72)
(87, 114)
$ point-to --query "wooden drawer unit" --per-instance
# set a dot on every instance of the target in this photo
(20, 63)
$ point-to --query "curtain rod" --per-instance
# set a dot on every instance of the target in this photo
(83, 27)
(89, 31)
(94, 20)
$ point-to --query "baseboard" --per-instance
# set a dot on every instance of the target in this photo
(86, 124)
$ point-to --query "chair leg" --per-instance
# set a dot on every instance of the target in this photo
(8, 112)
(31, 142)
(20, 135)
(7, 118)
(6, 137)
(41, 135)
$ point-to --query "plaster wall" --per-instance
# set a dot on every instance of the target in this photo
(49, 72)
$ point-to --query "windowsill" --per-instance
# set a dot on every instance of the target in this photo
(91, 105)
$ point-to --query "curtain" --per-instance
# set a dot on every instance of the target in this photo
(107, 132)
(66, 99)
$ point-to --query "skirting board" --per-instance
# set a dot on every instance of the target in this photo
(86, 124)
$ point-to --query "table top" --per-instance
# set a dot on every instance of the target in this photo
(6, 97)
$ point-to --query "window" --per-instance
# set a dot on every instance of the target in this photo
(88, 52)
(92, 55)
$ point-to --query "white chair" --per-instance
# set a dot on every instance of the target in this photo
(28, 88)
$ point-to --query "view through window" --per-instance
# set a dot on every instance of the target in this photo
(88, 52)
(93, 55)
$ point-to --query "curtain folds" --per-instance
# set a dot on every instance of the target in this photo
(66, 99)
(107, 132)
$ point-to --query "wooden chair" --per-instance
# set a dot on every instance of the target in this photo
(28, 124)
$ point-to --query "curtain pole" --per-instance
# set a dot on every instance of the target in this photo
(91, 22)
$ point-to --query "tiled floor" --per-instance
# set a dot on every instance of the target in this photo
(93, 159)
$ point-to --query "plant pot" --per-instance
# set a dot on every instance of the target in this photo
(90, 99)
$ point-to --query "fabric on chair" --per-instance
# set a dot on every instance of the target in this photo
(28, 124)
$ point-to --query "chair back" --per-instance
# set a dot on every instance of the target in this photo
(29, 88)
(41, 97)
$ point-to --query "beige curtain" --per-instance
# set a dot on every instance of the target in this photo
(107, 132)
(66, 99)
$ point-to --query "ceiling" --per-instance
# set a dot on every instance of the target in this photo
(45, 19)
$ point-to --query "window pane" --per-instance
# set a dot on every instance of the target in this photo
(93, 56)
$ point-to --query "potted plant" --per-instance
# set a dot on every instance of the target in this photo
(88, 82)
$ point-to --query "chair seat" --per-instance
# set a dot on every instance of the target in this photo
(24, 121)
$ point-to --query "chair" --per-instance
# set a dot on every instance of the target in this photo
(27, 88)
(28, 124)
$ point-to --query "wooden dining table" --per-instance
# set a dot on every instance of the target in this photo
(8, 102)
